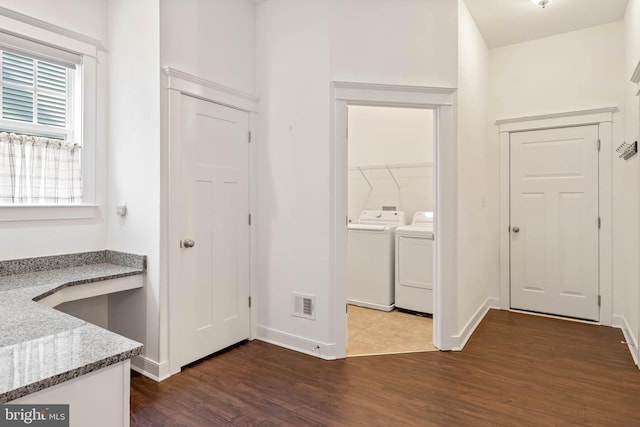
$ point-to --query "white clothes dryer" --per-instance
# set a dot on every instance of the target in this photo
(414, 257)
(370, 266)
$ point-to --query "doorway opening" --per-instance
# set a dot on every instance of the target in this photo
(390, 188)
(439, 102)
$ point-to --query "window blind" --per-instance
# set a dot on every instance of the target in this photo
(33, 91)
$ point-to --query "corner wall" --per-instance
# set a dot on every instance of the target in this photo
(134, 164)
(478, 250)
(628, 196)
(292, 153)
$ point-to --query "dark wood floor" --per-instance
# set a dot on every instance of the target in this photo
(515, 370)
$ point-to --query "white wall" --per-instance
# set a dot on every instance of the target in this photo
(134, 159)
(627, 183)
(478, 250)
(40, 238)
(211, 39)
(86, 17)
(401, 138)
(292, 222)
(582, 70)
(302, 46)
(574, 71)
(195, 38)
(407, 42)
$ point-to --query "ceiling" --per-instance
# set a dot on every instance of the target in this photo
(504, 22)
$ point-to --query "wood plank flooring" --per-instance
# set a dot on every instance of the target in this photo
(516, 370)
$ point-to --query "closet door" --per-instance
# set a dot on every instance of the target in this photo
(211, 298)
(554, 221)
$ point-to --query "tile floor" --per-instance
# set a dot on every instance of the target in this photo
(378, 332)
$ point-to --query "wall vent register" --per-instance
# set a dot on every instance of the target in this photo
(303, 306)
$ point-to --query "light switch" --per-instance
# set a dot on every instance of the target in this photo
(121, 209)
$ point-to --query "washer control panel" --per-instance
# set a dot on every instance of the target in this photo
(382, 217)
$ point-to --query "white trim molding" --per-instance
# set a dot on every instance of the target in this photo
(603, 118)
(207, 90)
(564, 119)
(47, 212)
(630, 339)
(21, 20)
(150, 368)
(318, 349)
(92, 289)
(368, 93)
(460, 340)
(442, 102)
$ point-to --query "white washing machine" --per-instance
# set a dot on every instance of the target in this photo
(370, 271)
(414, 264)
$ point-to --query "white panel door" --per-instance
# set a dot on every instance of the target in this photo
(214, 290)
(554, 221)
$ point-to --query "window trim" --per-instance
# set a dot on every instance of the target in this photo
(47, 212)
(41, 32)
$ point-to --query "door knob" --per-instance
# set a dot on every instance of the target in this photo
(516, 229)
(188, 243)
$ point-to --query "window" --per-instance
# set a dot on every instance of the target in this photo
(36, 92)
(52, 50)
(40, 126)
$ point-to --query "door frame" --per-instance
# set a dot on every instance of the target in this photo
(442, 101)
(603, 118)
(177, 83)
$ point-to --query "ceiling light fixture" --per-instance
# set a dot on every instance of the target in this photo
(542, 3)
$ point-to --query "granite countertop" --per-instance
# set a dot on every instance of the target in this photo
(40, 346)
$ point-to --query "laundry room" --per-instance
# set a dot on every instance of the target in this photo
(390, 236)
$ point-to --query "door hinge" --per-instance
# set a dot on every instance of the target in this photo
(249, 219)
(599, 223)
(249, 136)
(249, 302)
(599, 300)
(598, 145)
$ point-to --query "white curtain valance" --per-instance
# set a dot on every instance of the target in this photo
(37, 170)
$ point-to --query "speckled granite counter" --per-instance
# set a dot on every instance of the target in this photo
(40, 346)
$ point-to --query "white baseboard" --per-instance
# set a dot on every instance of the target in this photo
(293, 342)
(458, 341)
(371, 305)
(632, 343)
(150, 368)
